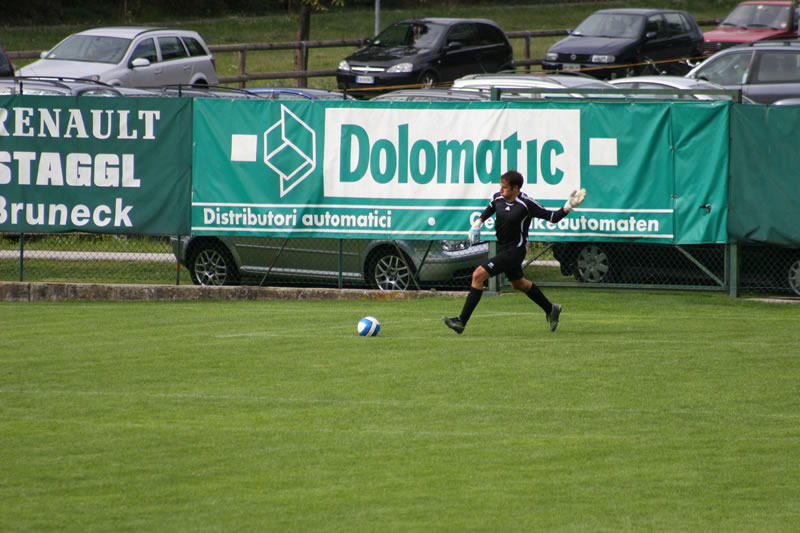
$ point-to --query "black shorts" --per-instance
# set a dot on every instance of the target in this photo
(508, 261)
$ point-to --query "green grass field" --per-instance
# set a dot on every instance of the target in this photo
(645, 411)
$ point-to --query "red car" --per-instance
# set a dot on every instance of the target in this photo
(753, 21)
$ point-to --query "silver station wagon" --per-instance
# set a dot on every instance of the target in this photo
(130, 57)
(377, 264)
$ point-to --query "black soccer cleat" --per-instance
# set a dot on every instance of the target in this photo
(552, 316)
(454, 323)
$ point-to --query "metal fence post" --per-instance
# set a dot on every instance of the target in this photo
(733, 266)
(21, 256)
(340, 281)
(494, 281)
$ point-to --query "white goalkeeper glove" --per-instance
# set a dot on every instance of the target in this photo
(474, 233)
(575, 199)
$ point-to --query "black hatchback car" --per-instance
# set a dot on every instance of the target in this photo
(615, 43)
(424, 52)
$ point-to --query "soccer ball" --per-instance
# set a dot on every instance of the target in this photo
(368, 326)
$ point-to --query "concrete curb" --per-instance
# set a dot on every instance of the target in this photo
(54, 292)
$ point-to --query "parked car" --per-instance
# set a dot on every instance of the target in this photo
(203, 91)
(787, 101)
(613, 43)
(765, 71)
(508, 81)
(425, 52)
(379, 264)
(51, 86)
(130, 56)
(607, 262)
(295, 93)
(683, 87)
(6, 65)
(753, 21)
(435, 94)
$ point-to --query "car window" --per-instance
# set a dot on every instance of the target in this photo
(194, 46)
(655, 24)
(171, 48)
(776, 66)
(675, 24)
(728, 69)
(145, 49)
(464, 34)
(615, 25)
(416, 34)
(490, 35)
(94, 48)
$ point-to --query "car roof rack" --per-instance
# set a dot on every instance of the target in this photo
(774, 43)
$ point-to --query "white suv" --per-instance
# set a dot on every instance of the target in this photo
(130, 57)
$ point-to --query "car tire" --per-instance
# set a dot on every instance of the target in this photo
(793, 275)
(211, 263)
(428, 79)
(593, 264)
(388, 269)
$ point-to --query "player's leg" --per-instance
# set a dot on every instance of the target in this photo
(552, 311)
(479, 277)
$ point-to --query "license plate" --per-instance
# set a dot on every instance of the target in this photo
(365, 79)
(571, 66)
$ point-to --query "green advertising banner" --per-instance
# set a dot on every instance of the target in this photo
(422, 171)
(764, 201)
(102, 165)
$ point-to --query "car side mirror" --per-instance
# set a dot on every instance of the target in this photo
(140, 62)
(650, 35)
(454, 45)
(44, 54)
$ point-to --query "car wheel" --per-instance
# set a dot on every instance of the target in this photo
(428, 79)
(388, 270)
(592, 264)
(793, 275)
(212, 264)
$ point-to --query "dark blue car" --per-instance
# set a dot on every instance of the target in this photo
(615, 43)
(425, 52)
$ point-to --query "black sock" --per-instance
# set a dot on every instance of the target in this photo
(536, 294)
(473, 298)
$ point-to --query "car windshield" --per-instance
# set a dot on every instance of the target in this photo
(416, 34)
(728, 69)
(759, 16)
(93, 48)
(613, 25)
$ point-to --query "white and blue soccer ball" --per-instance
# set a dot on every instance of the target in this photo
(368, 326)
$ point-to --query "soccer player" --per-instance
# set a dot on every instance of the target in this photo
(513, 211)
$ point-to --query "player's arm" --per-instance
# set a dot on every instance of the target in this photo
(575, 199)
(474, 233)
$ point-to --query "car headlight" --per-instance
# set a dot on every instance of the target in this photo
(551, 56)
(401, 67)
(344, 65)
(454, 246)
(603, 58)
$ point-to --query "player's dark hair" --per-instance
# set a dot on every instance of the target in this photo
(513, 178)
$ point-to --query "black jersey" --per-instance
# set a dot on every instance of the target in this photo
(513, 219)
